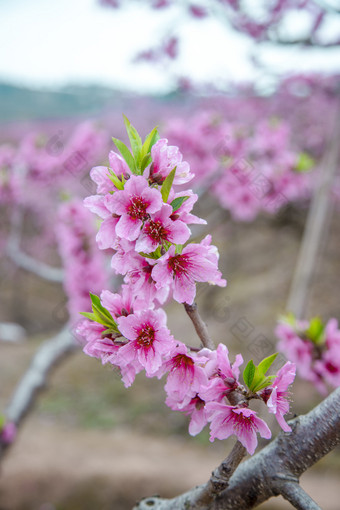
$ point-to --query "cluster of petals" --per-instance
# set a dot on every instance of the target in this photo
(137, 221)
(149, 240)
(75, 231)
(248, 170)
(318, 363)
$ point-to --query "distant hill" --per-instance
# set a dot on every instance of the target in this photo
(20, 103)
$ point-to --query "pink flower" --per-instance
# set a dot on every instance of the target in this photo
(184, 212)
(182, 270)
(186, 376)
(278, 403)
(223, 377)
(96, 345)
(160, 229)
(149, 340)
(195, 409)
(165, 158)
(123, 303)
(241, 421)
(126, 258)
(133, 205)
(140, 280)
(106, 236)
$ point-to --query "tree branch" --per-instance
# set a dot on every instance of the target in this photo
(200, 326)
(295, 494)
(50, 352)
(52, 274)
(220, 477)
(316, 226)
(265, 474)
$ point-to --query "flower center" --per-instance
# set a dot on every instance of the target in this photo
(181, 360)
(156, 231)
(177, 264)
(146, 336)
(137, 208)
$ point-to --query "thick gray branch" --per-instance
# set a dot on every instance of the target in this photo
(200, 326)
(220, 477)
(283, 460)
(52, 274)
(48, 355)
(295, 494)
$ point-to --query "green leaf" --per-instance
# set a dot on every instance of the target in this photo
(248, 373)
(89, 315)
(126, 155)
(177, 202)
(116, 181)
(178, 249)
(315, 330)
(266, 363)
(135, 139)
(166, 186)
(305, 163)
(149, 141)
(154, 255)
(267, 381)
(100, 314)
(2, 421)
(145, 162)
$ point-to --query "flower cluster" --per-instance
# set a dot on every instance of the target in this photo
(75, 230)
(145, 225)
(248, 170)
(314, 347)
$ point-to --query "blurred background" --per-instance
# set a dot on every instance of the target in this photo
(249, 91)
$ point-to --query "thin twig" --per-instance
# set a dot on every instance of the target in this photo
(200, 326)
(295, 494)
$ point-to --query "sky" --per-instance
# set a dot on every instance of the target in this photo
(48, 43)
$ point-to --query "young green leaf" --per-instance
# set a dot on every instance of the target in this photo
(135, 139)
(248, 373)
(166, 186)
(305, 163)
(315, 330)
(145, 162)
(267, 381)
(116, 181)
(89, 315)
(126, 155)
(2, 421)
(266, 363)
(177, 202)
(149, 141)
(154, 255)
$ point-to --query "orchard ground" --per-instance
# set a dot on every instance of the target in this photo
(92, 444)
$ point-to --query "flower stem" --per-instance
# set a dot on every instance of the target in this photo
(200, 326)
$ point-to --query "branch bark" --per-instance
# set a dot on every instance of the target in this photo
(200, 326)
(51, 352)
(267, 473)
(295, 494)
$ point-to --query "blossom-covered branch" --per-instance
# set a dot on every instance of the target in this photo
(146, 217)
(267, 473)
